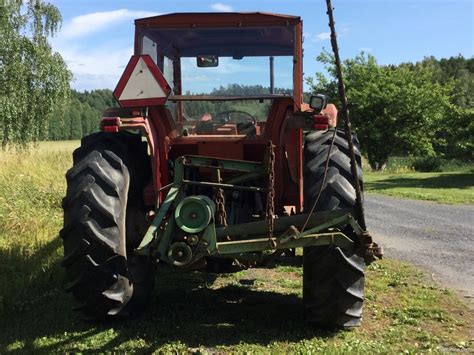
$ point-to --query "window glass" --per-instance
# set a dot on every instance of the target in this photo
(168, 71)
(149, 47)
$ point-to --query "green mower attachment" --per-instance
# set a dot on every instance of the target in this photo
(184, 229)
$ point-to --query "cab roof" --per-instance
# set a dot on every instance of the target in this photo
(234, 34)
(218, 19)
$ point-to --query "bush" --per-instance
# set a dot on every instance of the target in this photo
(457, 165)
(427, 164)
(400, 165)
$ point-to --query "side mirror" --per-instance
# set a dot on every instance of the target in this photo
(207, 61)
(318, 102)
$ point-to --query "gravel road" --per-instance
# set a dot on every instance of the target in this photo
(438, 238)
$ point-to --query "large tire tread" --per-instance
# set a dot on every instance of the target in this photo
(107, 169)
(333, 279)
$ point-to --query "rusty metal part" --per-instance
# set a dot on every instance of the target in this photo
(366, 248)
(370, 250)
(345, 113)
(220, 201)
(176, 98)
(270, 215)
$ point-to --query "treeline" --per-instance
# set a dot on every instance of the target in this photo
(194, 110)
(455, 133)
(240, 90)
(83, 112)
(81, 116)
(455, 71)
(412, 109)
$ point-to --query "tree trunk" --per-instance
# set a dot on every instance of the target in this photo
(377, 163)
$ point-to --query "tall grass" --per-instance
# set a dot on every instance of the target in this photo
(32, 185)
(406, 164)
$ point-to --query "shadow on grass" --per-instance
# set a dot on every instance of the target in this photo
(459, 181)
(184, 311)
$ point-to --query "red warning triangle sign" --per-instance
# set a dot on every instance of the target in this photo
(142, 84)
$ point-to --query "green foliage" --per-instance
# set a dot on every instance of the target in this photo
(34, 81)
(400, 164)
(81, 116)
(194, 110)
(405, 164)
(456, 133)
(36, 102)
(427, 164)
(458, 71)
(418, 109)
(395, 109)
(76, 124)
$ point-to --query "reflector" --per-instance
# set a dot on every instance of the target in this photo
(142, 84)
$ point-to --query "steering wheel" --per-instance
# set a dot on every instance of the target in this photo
(225, 117)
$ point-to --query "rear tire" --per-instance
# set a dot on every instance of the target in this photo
(104, 217)
(333, 279)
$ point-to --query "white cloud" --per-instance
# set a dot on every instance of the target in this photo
(86, 24)
(221, 7)
(323, 36)
(326, 36)
(95, 68)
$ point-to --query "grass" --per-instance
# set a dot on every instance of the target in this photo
(442, 187)
(454, 184)
(252, 311)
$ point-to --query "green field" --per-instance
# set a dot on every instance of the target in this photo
(252, 311)
(443, 187)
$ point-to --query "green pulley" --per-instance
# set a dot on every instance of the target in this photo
(194, 213)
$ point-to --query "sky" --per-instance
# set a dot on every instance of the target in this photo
(96, 38)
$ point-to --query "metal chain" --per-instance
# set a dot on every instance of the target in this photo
(220, 202)
(271, 191)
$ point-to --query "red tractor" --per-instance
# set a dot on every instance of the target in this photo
(221, 179)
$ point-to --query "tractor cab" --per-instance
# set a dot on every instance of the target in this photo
(219, 85)
(225, 70)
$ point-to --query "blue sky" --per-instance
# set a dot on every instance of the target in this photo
(96, 38)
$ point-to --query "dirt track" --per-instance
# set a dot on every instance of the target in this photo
(438, 238)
